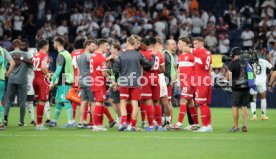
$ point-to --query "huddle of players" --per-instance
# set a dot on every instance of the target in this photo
(138, 73)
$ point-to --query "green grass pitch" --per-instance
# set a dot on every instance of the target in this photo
(58, 143)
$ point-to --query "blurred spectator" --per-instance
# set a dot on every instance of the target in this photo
(17, 23)
(272, 53)
(247, 37)
(271, 35)
(197, 25)
(222, 27)
(63, 28)
(211, 42)
(223, 44)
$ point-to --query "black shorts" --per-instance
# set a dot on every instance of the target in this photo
(240, 98)
(115, 96)
(86, 94)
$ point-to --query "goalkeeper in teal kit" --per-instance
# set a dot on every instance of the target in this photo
(64, 77)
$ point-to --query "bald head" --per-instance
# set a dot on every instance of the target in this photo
(171, 45)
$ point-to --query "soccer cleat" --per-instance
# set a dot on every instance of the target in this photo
(195, 127)
(233, 129)
(254, 118)
(264, 117)
(160, 128)
(150, 129)
(122, 127)
(129, 127)
(68, 125)
(112, 124)
(52, 124)
(144, 124)
(2, 127)
(33, 123)
(22, 124)
(74, 124)
(244, 129)
(177, 126)
(5, 122)
(81, 126)
(99, 128)
(47, 121)
(41, 128)
(204, 129)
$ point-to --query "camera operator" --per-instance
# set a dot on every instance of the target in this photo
(240, 89)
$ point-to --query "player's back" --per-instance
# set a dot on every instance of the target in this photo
(186, 67)
(260, 69)
(38, 59)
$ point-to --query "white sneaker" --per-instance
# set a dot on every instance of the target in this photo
(188, 127)
(205, 129)
(99, 128)
(41, 127)
(177, 126)
(129, 128)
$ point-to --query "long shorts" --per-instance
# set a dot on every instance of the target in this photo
(30, 88)
(61, 93)
(41, 89)
(115, 96)
(86, 94)
(203, 94)
(187, 92)
(163, 85)
(128, 93)
(99, 96)
(240, 98)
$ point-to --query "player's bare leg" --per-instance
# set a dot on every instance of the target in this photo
(82, 111)
(167, 111)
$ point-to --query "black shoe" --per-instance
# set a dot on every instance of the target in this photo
(244, 129)
(5, 122)
(233, 129)
(22, 124)
(33, 123)
(47, 121)
(111, 124)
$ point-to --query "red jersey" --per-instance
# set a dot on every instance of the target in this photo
(75, 55)
(38, 59)
(203, 61)
(97, 65)
(186, 65)
(159, 60)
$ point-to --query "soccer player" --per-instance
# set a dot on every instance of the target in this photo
(30, 89)
(64, 76)
(203, 90)
(150, 92)
(185, 74)
(260, 68)
(17, 82)
(128, 70)
(114, 98)
(75, 55)
(98, 72)
(41, 63)
(5, 58)
(83, 65)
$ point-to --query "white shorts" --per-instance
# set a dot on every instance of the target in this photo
(163, 85)
(260, 89)
(30, 88)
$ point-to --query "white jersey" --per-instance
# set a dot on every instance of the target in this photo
(260, 71)
(30, 75)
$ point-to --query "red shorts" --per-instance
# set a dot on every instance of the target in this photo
(203, 94)
(127, 93)
(99, 96)
(150, 92)
(169, 87)
(187, 92)
(41, 89)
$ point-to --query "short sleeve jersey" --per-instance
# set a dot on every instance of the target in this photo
(97, 66)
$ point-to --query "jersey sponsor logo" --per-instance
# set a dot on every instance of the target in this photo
(198, 60)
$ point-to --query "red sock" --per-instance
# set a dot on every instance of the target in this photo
(39, 113)
(86, 111)
(74, 107)
(124, 119)
(98, 113)
(205, 115)
(133, 122)
(150, 114)
(182, 112)
(158, 114)
(129, 112)
(143, 110)
(194, 115)
(107, 113)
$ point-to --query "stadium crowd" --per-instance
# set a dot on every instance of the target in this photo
(68, 25)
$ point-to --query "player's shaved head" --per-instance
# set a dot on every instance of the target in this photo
(171, 45)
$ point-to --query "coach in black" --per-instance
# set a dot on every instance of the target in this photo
(240, 89)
